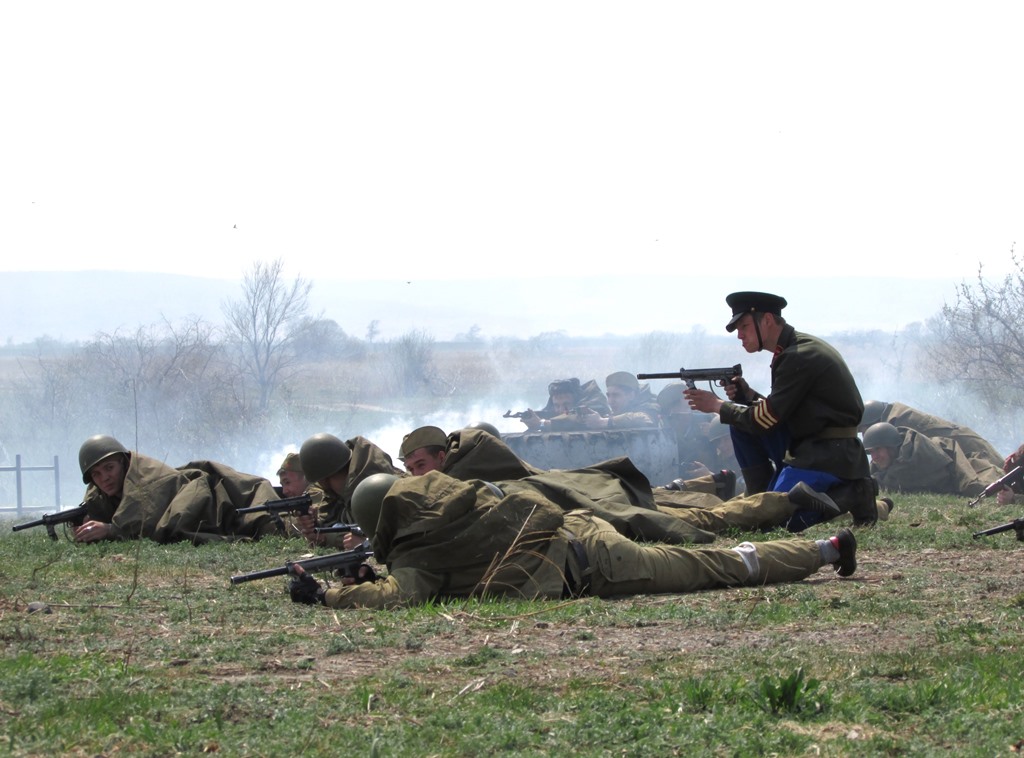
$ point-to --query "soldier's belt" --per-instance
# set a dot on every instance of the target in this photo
(837, 433)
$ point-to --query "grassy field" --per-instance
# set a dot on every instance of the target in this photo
(149, 650)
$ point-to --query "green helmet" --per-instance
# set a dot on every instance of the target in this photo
(323, 455)
(367, 499)
(95, 449)
(882, 434)
(873, 412)
(483, 426)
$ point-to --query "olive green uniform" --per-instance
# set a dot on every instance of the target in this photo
(475, 454)
(927, 465)
(814, 394)
(748, 513)
(195, 502)
(619, 493)
(288, 522)
(590, 396)
(441, 537)
(367, 459)
(688, 427)
(643, 412)
(981, 455)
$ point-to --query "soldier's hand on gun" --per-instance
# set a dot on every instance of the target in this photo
(703, 400)
(531, 419)
(305, 589)
(738, 390)
(364, 573)
(352, 540)
(591, 419)
(92, 531)
(1005, 496)
(306, 523)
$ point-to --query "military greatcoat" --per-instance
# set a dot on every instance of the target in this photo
(195, 502)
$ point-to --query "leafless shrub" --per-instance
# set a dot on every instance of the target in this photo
(978, 342)
(264, 324)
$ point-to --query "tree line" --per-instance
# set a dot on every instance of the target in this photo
(273, 372)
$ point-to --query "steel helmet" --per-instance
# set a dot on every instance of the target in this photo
(873, 412)
(882, 434)
(367, 498)
(323, 455)
(95, 449)
(483, 426)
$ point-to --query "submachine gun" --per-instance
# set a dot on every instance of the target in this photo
(719, 376)
(346, 562)
(1016, 525)
(298, 505)
(75, 516)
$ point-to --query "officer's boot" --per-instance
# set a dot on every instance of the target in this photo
(725, 484)
(857, 497)
(757, 478)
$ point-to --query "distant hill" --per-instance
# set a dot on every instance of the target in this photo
(73, 306)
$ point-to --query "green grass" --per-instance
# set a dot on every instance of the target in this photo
(150, 650)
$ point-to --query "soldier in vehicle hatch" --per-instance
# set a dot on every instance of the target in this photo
(632, 405)
(565, 398)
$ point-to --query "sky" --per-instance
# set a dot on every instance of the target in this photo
(414, 141)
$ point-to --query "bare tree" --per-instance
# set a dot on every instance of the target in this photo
(372, 330)
(979, 341)
(264, 323)
(164, 377)
(160, 387)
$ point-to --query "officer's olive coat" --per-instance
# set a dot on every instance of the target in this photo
(816, 397)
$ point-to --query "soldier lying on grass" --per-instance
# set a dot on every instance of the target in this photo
(442, 537)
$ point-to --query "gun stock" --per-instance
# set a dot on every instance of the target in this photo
(347, 561)
(50, 520)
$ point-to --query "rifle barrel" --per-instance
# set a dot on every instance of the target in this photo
(319, 563)
(1016, 524)
(299, 503)
(60, 517)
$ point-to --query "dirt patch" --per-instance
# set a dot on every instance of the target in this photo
(938, 587)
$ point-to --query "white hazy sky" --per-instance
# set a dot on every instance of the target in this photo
(422, 140)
